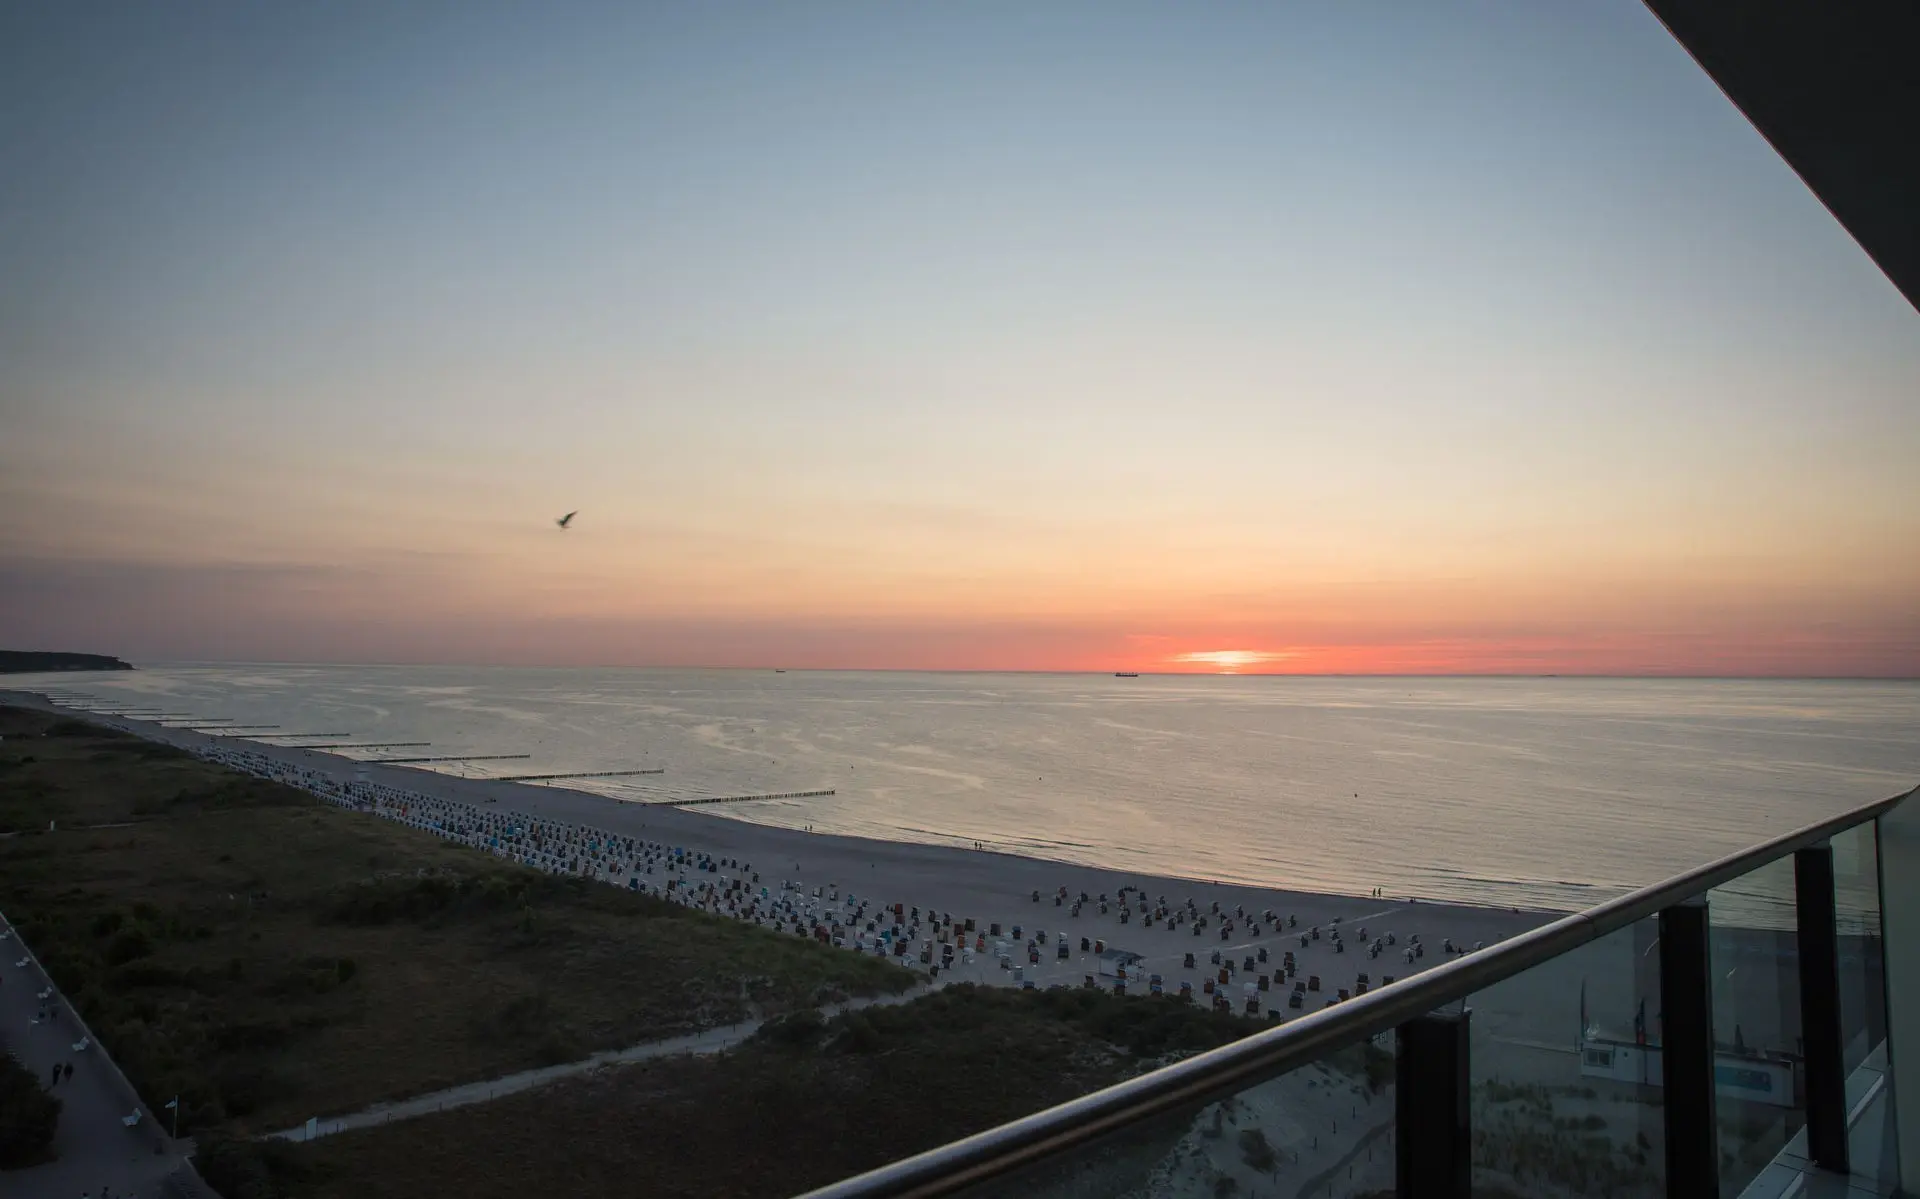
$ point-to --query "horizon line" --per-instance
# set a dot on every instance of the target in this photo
(1100, 673)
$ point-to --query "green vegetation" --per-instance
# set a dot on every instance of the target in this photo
(29, 1115)
(805, 1102)
(1256, 1152)
(16, 661)
(1521, 1133)
(255, 1169)
(1143, 1027)
(1377, 1065)
(267, 956)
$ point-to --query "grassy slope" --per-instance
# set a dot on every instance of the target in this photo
(796, 1108)
(269, 957)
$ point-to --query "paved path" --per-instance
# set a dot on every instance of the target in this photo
(94, 1148)
(713, 1040)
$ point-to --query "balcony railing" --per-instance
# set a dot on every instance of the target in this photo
(1726, 1032)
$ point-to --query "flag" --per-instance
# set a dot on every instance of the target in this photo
(1583, 1010)
(1640, 1024)
(175, 1102)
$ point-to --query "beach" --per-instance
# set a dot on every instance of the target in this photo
(1540, 794)
(1005, 920)
(993, 890)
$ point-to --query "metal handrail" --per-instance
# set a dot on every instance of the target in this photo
(1231, 1068)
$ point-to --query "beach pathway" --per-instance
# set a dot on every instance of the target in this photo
(95, 1148)
(712, 1040)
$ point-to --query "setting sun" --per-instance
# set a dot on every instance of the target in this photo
(1227, 661)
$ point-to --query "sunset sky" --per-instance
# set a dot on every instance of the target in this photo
(1328, 338)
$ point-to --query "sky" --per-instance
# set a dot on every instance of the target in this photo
(1405, 338)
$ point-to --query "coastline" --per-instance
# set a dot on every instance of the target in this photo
(1323, 1118)
(989, 886)
(1481, 792)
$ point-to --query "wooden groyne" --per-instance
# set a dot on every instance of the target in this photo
(444, 758)
(376, 745)
(577, 774)
(688, 803)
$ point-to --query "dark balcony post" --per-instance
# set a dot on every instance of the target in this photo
(1433, 1146)
(1819, 949)
(1898, 847)
(1686, 1051)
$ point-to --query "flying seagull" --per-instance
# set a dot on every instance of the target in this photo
(567, 520)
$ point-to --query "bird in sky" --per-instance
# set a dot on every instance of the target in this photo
(566, 522)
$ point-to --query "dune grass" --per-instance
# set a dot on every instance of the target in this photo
(268, 957)
(805, 1102)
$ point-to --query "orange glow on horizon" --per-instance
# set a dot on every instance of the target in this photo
(1230, 661)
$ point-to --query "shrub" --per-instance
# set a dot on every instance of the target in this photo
(795, 1031)
(557, 1049)
(1379, 1066)
(857, 1035)
(145, 974)
(127, 945)
(1255, 1151)
(518, 1018)
(313, 977)
(28, 1116)
(252, 1169)
(238, 1035)
(235, 1169)
(384, 901)
(245, 1089)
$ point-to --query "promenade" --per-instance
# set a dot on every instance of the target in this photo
(95, 1148)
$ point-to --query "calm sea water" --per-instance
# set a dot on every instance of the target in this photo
(1533, 792)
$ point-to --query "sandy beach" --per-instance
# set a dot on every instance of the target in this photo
(1198, 937)
(990, 889)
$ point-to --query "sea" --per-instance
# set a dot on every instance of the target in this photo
(1529, 792)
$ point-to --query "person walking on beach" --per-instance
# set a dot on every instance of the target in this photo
(69, 1071)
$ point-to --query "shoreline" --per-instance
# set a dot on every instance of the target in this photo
(530, 796)
(1496, 796)
(1528, 1032)
(991, 886)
